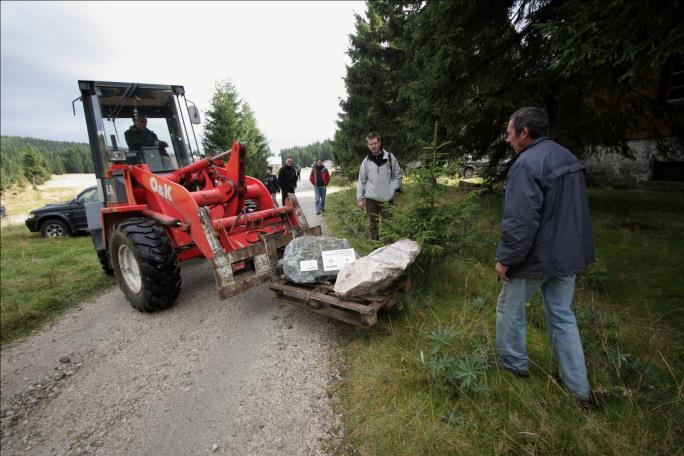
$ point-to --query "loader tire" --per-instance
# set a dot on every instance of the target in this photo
(145, 264)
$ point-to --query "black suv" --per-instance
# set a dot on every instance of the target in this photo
(62, 219)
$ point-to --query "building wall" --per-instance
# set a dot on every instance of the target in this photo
(609, 168)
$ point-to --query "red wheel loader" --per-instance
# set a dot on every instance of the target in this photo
(160, 204)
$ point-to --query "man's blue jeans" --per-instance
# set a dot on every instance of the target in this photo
(561, 327)
(319, 193)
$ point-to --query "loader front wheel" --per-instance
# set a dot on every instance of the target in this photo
(145, 264)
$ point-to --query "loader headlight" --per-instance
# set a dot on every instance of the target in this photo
(117, 156)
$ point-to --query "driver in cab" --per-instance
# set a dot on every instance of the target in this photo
(139, 136)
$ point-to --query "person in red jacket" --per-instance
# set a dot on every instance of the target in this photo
(319, 178)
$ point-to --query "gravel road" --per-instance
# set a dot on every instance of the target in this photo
(246, 376)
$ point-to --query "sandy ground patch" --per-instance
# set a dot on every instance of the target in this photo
(79, 181)
(19, 202)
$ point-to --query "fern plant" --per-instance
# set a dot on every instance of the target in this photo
(450, 371)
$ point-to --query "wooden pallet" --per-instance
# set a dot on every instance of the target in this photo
(320, 298)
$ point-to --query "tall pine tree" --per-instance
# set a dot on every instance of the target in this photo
(468, 75)
(257, 147)
(35, 169)
(223, 121)
(599, 69)
(231, 119)
(373, 81)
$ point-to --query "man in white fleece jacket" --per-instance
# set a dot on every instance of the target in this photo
(379, 178)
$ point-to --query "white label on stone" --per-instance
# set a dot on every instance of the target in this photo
(308, 265)
(333, 260)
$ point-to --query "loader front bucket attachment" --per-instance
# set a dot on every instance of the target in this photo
(258, 261)
(263, 258)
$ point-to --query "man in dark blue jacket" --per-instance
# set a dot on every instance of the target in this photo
(546, 239)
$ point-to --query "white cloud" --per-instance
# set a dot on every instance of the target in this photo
(287, 59)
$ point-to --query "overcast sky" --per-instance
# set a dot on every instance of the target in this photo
(287, 59)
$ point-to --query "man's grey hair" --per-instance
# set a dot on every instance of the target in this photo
(373, 135)
(535, 119)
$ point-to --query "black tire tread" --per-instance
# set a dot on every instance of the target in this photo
(160, 271)
(104, 262)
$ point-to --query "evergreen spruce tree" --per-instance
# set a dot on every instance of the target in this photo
(223, 121)
(34, 166)
(231, 119)
(257, 147)
(469, 75)
(373, 82)
(600, 70)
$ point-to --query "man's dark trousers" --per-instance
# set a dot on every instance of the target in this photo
(374, 209)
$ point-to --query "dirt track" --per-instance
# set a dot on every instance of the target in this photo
(248, 375)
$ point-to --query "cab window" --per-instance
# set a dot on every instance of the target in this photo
(159, 143)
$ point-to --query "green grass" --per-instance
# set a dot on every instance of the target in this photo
(43, 277)
(398, 399)
(339, 181)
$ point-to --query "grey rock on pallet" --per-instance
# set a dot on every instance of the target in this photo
(309, 248)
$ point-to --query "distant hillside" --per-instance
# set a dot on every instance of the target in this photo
(19, 161)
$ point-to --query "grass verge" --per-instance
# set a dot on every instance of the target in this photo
(43, 277)
(339, 181)
(419, 384)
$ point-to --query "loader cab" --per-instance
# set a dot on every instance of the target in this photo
(111, 110)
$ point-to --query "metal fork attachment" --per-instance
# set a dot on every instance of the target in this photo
(263, 256)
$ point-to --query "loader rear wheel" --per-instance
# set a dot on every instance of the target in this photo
(104, 262)
(145, 264)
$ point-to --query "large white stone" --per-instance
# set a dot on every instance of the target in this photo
(377, 270)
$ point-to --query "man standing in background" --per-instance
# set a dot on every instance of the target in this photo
(319, 178)
(546, 239)
(287, 178)
(271, 183)
(379, 178)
